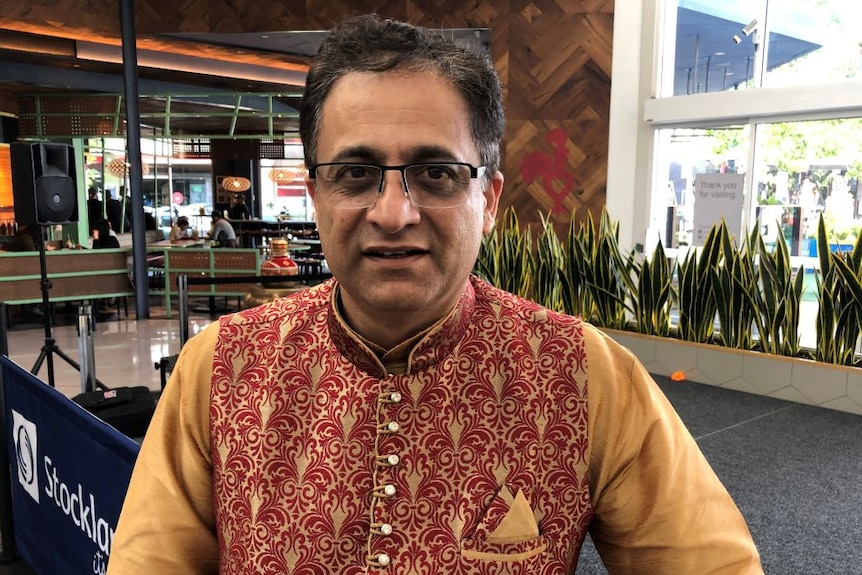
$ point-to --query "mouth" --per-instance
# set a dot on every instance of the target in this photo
(393, 254)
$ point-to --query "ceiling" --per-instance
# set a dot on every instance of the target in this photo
(190, 85)
(231, 85)
(187, 86)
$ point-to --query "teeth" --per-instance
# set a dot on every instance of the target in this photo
(394, 254)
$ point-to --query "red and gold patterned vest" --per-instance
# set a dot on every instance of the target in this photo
(471, 462)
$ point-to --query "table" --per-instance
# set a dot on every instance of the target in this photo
(161, 244)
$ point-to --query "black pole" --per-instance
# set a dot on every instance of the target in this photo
(183, 299)
(45, 285)
(133, 143)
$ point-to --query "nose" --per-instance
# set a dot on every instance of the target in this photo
(393, 210)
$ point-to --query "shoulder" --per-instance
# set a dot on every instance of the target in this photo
(605, 358)
(282, 317)
(504, 303)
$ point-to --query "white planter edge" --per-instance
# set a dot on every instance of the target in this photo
(800, 380)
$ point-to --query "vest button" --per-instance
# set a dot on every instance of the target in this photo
(380, 560)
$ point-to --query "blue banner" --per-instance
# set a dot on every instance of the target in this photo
(70, 472)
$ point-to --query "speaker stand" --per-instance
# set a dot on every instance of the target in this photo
(50, 347)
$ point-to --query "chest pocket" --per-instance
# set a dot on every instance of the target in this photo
(507, 532)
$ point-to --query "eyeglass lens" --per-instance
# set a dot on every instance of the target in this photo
(437, 185)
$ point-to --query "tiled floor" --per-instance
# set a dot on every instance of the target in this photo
(125, 351)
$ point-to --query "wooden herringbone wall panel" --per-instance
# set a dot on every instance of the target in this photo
(558, 109)
(557, 168)
(554, 58)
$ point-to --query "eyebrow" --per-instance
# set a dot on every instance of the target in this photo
(418, 154)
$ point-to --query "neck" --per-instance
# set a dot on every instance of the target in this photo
(386, 330)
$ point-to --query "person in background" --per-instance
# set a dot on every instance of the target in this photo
(24, 239)
(239, 210)
(94, 207)
(406, 416)
(102, 237)
(222, 232)
(116, 213)
(180, 230)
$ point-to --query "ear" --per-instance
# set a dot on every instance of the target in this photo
(492, 201)
(312, 190)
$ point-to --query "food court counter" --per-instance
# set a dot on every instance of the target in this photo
(75, 275)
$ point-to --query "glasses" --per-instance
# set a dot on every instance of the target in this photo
(428, 185)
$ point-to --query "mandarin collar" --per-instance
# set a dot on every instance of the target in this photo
(435, 345)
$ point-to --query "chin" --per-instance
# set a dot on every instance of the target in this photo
(397, 296)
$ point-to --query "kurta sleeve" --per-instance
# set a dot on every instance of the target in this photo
(167, 522)
(660, 508)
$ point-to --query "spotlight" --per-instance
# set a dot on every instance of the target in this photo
(747, 30)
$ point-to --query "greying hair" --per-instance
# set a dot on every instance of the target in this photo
(369, 43)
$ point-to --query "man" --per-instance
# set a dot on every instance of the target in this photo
(222, 232)
(407, 417)
(239, 209)
(94, 207)
(115, 211)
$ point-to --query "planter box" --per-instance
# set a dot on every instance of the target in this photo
(799, 380)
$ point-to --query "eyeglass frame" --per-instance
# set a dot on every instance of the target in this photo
(476, 172)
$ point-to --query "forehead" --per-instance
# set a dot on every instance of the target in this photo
(392, 115)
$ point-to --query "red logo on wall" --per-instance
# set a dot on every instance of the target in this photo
(550, 170)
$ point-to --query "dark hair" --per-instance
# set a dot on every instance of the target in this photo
(369, 43)
(182, 221)
(103, 227)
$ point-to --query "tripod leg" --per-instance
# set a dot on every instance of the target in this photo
(66, 358)
(38, 365)
(47, 349)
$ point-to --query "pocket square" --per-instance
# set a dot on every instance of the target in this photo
(508, 519)
(507, 532)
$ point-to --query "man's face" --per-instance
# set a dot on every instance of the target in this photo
(400, 267)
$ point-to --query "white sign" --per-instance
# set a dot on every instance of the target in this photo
(26, 453)
(717, 196)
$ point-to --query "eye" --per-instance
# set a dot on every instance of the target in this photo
(353, 178)
(357, 172)
(435, 172)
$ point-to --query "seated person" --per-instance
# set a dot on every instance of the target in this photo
(222, 232)
(181, 231)
(24, 240)
(102, 237)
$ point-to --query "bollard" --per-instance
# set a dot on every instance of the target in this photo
(86, 353)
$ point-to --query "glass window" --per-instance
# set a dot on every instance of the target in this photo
(283, 192)
(172, 187)
(718, 45)
(699, 169)
(805, 168)
(812, 41)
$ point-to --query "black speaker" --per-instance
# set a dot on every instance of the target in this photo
(8, 129)
(43, 183)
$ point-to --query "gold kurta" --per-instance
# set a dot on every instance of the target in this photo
(488, 444)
